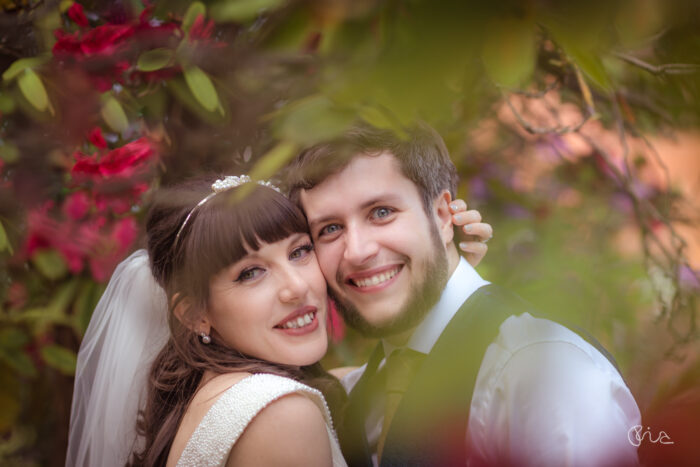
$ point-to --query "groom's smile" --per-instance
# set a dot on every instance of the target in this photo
(375, 279)
(375, 246)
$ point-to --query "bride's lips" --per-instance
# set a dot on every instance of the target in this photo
(375, 279)
(299, 322)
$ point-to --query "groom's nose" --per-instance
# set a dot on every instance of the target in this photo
(360, 245)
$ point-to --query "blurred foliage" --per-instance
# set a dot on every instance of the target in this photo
(549, 109)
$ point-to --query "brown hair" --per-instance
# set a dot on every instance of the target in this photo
(215, 236)
(422, 156)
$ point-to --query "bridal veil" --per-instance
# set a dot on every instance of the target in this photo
(127, 330)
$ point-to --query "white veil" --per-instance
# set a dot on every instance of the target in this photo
(127, 330)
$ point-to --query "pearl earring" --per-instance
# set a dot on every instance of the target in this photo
(205, 337)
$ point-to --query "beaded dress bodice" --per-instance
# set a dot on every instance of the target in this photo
(226, 420)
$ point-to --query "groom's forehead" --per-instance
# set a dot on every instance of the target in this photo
(368, 180)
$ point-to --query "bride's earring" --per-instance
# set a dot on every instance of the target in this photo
(205, 337)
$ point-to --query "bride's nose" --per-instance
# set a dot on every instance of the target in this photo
(293, 286)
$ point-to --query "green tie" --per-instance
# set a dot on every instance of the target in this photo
(399, 369)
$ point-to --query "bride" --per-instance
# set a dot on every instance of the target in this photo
(204, 350)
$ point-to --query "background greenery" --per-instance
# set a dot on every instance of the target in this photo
(553, 113)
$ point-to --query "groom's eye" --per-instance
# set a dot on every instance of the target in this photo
(329, 230)
(381, 212)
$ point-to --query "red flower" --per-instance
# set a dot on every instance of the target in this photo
(121, 162)
(68, 44)
(201, 29)
(124, 160)
(96, 138)
(105, 39)
(75, 13)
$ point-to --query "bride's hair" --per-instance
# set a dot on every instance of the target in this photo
(183, 263)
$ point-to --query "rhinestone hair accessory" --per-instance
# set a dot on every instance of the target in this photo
(219, 186)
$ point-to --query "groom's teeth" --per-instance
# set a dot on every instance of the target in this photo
(376, 279)
(300, 322)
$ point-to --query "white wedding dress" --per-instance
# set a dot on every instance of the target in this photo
(226, 420)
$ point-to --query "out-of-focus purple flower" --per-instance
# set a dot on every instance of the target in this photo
(516, 211)
(688, 278)
(478, 188)
(622, 203)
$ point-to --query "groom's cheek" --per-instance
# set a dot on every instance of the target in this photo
(329, 260)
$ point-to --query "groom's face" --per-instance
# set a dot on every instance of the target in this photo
(382, 255)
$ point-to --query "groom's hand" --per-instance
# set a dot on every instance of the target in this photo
(477, 233)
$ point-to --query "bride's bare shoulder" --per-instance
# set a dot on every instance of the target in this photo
(289, 431)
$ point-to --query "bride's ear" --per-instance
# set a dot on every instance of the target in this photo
(182, 307)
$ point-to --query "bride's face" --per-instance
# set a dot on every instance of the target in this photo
(272, 303)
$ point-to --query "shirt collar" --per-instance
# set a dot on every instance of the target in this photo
(463, 282)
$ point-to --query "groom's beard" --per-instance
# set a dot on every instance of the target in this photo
(420, 301)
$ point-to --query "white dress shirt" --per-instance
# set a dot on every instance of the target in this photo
(543, 395)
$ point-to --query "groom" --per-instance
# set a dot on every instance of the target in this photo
(462, 373)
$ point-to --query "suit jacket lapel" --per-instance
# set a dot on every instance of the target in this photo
(429, 427)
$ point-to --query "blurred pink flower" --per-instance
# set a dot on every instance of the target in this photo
(76, 205)
(112, 247)
(335, 324)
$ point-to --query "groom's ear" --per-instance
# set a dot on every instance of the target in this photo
(441, 208)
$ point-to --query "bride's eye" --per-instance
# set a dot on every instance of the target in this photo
(301, 251)
(250, 274)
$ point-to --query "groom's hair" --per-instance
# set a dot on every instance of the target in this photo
(419, 150)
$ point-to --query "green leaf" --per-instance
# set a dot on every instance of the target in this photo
(203, 89)
(154, 59)
(4, 242)
(193, 11)
(62, 298)
(9, 411)
(33, 90)
(269, 164)
(18, 361)
(273, 160)
(50, 264)
(7, 104)
(85, 303)
(12, 338)
(113, 114)
(592, 66)
(18, 66)
(509, 51)
(314, 119)
(242, 10)
(9, 152)
(60, 358)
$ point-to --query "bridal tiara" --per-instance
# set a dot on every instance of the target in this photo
(219, 186)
